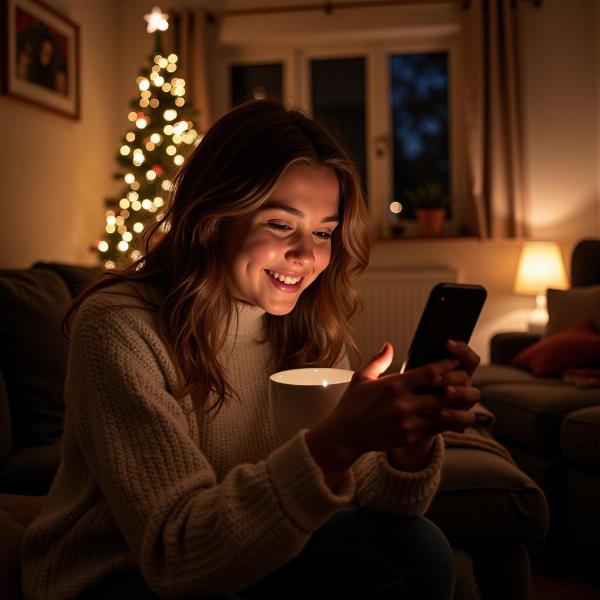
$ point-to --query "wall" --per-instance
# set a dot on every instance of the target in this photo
(560, 54)
(55, 209)
(55, 171)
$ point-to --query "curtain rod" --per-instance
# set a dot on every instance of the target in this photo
(328, 7)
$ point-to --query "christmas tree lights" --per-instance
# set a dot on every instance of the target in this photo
(160, 135)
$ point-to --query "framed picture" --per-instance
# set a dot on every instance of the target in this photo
(40, 56)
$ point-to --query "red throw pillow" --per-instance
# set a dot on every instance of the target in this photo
(576, 347)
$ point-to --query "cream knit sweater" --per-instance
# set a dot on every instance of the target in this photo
(199, 506)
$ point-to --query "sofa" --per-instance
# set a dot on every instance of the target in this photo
(489, 509)
(551, 423)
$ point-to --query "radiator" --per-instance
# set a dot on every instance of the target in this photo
(393, 303)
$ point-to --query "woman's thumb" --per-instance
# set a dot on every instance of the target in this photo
(379, 363)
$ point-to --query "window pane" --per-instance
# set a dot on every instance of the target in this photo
(338, 97)
(419, 88)
(255, 82)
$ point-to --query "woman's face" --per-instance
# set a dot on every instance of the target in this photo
(289, 237)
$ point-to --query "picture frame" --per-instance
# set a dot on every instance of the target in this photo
(40, 56)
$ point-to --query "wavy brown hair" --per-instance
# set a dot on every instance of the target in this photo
(227, 177)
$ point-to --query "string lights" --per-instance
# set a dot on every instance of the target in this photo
(160, 136)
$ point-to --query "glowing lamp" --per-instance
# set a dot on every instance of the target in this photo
(540, 267)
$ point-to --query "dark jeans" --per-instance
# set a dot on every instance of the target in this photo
(357, 554)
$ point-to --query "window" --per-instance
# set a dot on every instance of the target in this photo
(419, 107)
(255, 81)
(338, 96)
(393, 100)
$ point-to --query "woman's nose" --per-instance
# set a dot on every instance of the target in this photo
(302, 249)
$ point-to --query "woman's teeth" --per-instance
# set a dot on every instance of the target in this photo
(288, 280)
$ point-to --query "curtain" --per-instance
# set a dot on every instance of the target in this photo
(494, 117)
(193, 39)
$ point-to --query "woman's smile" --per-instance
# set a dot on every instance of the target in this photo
(284, 283)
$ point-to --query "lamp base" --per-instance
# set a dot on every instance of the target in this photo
(538, 318)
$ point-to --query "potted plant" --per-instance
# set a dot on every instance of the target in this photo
(430, 204)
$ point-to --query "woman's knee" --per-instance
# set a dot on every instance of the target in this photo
(426, 557)
(410, 556)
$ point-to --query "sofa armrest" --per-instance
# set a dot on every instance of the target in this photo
(505, 346)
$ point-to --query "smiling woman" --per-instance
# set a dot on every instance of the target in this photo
(160, 494)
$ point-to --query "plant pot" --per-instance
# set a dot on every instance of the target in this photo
(431, 221)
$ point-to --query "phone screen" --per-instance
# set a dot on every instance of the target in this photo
(451, 312)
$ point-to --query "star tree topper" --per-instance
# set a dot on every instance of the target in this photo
(157, 20)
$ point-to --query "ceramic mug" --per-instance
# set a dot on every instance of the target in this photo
(301, 397)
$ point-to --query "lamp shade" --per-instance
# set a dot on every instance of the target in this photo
(540, 267)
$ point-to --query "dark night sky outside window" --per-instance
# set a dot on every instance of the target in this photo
(338, 97)
(255, 81)
(419, 98)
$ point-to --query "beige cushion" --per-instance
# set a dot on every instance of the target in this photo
(484, 499)
(571, 307)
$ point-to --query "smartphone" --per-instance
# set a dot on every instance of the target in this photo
(451, 312)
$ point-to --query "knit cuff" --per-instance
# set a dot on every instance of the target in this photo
(382, 487)
(301, 487)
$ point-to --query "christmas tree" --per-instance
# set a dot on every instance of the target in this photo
(155, 145)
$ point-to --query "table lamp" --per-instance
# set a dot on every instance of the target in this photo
(540, 267)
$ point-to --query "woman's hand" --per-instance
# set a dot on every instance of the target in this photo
(460, 396)
(386, 413)
(457, 387)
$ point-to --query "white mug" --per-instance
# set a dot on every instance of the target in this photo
(300, 397)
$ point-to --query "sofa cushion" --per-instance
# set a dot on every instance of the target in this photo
(577, 346)
(567, 308)
(30, 471)
(33, 352)
(75, 276)
(496, 373)
(485, 499)
(580, 437)
(532, 414)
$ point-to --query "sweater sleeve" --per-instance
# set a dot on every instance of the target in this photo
(381, 487)
(188, 534)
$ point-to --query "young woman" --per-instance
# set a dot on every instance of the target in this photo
(173, 481)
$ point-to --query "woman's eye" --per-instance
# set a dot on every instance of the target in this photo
(324, 235)
(279, 226)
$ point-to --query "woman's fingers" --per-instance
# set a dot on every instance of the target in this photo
(456, 377)
(428, 405)
(469, 359)
(426, 375)
(419, 426)
(461, 396)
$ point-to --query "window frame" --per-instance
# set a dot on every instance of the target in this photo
(296, 85)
